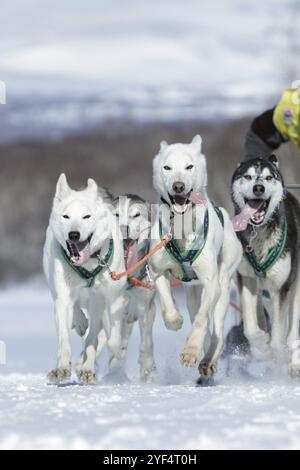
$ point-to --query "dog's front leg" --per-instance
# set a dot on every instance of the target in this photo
(293, 340)
(193, 350)
(64, 317)
(86, 365)
(208, 365)
(146, 318)
(116, 309)
(172, 318)
(279, 326)
(258, 339)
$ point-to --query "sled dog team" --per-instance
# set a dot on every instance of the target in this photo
(105, 258)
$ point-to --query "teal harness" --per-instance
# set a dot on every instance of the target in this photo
(274, 254)
(186, 258)
(84, 273)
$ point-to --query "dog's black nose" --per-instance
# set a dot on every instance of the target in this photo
(178, 187)
(74, 236)
(258, 190)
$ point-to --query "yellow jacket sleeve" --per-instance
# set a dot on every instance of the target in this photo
(286, 116)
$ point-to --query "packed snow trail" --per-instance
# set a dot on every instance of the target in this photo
(238, 413)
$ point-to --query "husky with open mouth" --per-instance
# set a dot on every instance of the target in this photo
(134, 217)
(81, 249)
(203, 252)
(267, 222)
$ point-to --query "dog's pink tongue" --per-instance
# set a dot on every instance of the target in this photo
(197, 198)
(241, 220)
(84, 254)
(131, 255)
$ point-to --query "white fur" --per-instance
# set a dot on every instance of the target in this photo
(178, 157)
(103, 302)
(214, 267)
(134, 217)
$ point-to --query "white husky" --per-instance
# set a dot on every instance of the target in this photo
(80, 248)
(133, 216)
(203, 247)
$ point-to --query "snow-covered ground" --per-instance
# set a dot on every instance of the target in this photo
(87, 62)
(256, 411)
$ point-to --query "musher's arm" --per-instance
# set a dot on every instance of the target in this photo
(263, 137)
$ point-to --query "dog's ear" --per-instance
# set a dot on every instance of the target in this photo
(92, 187)
(273, 159)
(197, 142)
(62, 188)
(163, 145)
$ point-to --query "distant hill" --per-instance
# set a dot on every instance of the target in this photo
(120, 160)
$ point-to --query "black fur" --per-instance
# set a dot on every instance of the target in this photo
(260, 163)
(132, 197)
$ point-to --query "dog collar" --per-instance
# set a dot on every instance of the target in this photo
(84, 273)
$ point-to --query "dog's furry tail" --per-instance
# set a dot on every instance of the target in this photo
(80, 322)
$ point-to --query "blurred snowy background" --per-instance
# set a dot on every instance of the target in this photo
(92, 87)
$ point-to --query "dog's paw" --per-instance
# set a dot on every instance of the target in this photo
(58, 375)
(87, 377)
(260, 345)
(189, 356)
(294, 370)
(173, 322)
(149, 375)
(207, 370)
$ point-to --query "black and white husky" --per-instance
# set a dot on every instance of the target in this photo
(268, 224)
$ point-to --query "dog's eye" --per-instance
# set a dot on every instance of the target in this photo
(87, 216)
(65, 216)
(189, 167)
(248, 177)
(269, 178)
(137, 214)
(167, 167)
(116, 214)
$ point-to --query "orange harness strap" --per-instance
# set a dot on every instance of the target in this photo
(118, 276)
(175, 283)
(139, 283)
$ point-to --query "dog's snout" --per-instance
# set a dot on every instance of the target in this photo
(74, 236)
(258, 190)
(178, 187)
